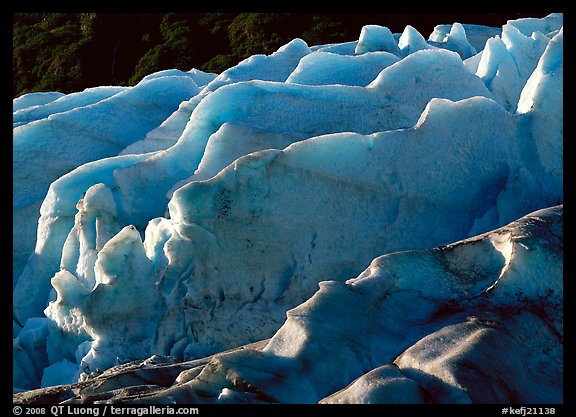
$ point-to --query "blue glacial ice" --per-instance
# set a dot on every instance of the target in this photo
(194, 213)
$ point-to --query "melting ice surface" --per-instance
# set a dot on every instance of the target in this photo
(194, 213)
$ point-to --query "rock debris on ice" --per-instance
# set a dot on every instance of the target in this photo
(158, 226)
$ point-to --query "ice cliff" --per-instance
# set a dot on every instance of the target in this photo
(195, 213)
(475, 321)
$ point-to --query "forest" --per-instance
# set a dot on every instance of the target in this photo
(69, 52)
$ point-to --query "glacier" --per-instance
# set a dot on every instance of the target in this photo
(375, 221)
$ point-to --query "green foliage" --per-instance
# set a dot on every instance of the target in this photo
(219, 63)
(69, 52)
(45, 48)
(252, 33)
(181, 46)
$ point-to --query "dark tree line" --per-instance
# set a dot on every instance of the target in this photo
(69, 52)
